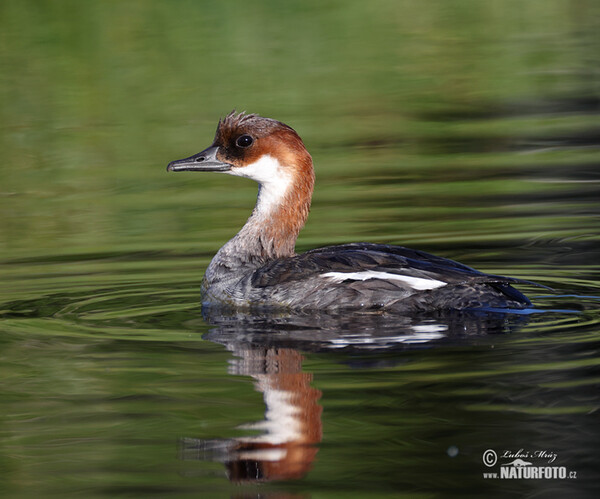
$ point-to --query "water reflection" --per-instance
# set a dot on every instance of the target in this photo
(268, 348)
(292, 425)
(358, 331)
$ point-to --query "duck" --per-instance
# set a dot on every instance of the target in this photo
(259, 268)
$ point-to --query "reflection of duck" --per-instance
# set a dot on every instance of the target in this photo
(292, 425)
(258, 267)
(318, 331)
(266, 347)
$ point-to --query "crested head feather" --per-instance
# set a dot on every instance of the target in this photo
(237, 123)
(234, 118)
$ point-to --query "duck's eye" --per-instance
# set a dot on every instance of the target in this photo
(244, 141)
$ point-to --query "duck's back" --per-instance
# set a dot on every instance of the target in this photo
(377, 276)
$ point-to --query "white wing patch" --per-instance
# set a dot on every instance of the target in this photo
(417, 283)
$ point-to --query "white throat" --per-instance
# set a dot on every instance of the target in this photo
(273, 178)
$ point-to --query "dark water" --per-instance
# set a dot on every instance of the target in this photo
(466, 129)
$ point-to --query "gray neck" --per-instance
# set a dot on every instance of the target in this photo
(270, 232)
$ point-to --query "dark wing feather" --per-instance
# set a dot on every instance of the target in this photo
(359, 257)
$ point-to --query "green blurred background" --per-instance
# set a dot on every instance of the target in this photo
(97, 96)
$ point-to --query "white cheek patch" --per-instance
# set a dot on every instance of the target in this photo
(274, 180)
(266, 170)
(417, 283)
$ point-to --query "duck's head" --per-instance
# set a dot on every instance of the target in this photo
(248, 145)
